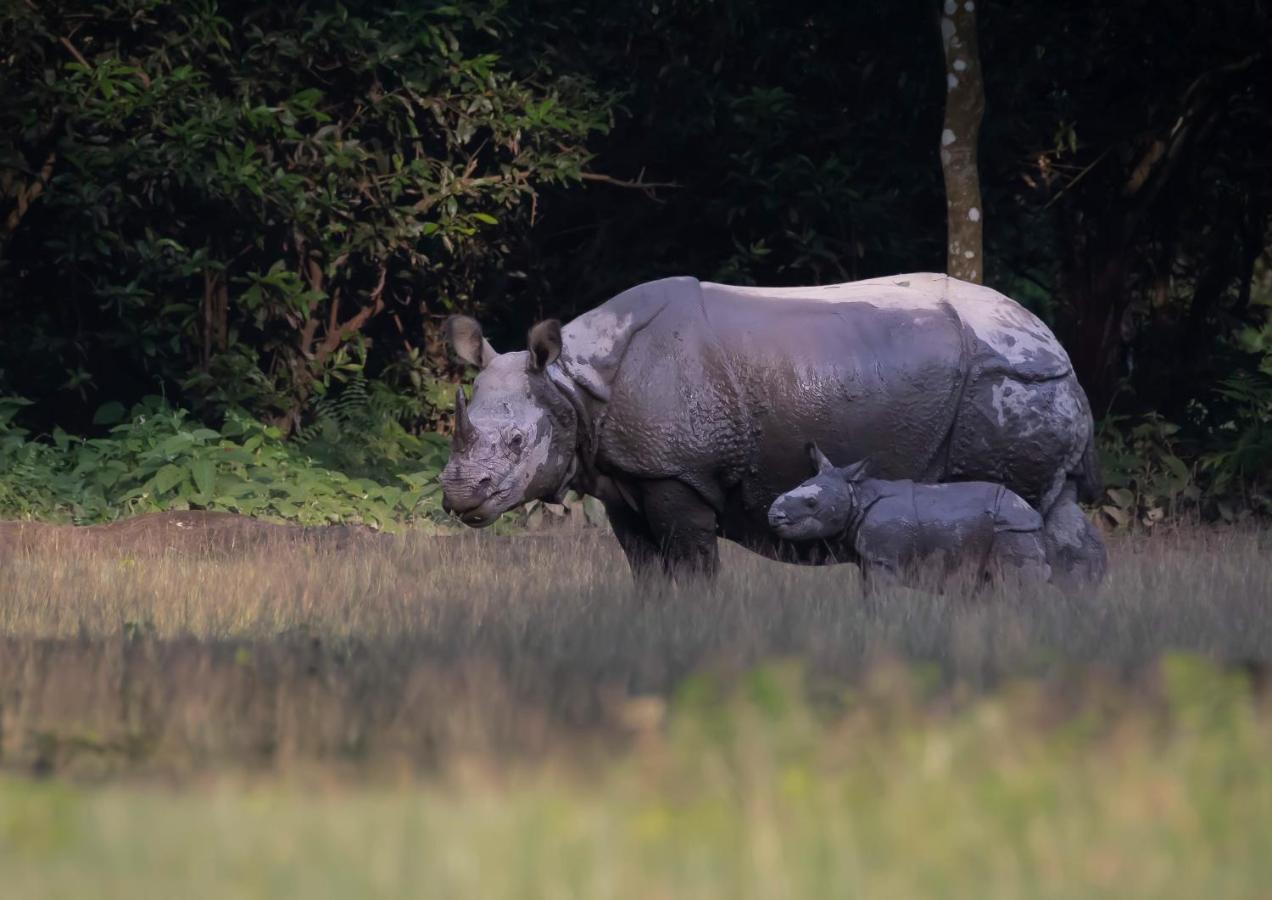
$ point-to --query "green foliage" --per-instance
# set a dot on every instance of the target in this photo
(1145, 478)
(246, 201)
(1155, 470)
(158, 458)
(250, 207)
(1242, 465)
(358, 430)
(1215, 460)
(1015, 794)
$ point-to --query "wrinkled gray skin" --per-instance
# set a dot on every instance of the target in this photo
(914, 534)
(684, 407)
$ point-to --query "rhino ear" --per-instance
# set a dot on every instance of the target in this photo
(821, 465)
(463, 334)
(856, 471)
(544, 341)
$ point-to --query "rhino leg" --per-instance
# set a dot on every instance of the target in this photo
(1019, 555)
(1075, 550)
(632, 533)
(879, 576)
(683, 526)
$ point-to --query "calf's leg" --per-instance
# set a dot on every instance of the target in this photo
(879, 576)
(1019, 555)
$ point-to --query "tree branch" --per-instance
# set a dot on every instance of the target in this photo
(331, 342)
(79, 57)
(1198, 112)
(647, 187)
(1086, 170)
(25, 196)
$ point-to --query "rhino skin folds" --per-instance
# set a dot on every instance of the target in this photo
(685, 407)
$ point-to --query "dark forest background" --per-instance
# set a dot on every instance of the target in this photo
(231, 230)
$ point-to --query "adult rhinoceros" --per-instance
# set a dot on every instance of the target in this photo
(685, 407)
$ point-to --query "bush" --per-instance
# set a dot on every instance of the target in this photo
(158, 458)
(240, 202)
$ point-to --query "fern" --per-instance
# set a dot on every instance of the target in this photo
(159, 458)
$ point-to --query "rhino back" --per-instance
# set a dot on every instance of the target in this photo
(1021, 418)
(1014, 514)
(907, 523)
(930, 377)
(728, 385)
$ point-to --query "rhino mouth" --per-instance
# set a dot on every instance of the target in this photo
(799, 528)
(478, 518)
(487, 511)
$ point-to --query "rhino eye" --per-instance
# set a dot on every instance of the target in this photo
(514, 442)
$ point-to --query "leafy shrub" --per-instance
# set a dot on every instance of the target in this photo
(158, 458)
(1156, 470)
(1145, 478)
(359, 429)
(242, 201)
(1241, 461)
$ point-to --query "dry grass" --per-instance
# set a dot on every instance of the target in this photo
(489, 718)
(405, 651)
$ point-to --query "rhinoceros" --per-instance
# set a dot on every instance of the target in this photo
(914, 534)
(684, 407)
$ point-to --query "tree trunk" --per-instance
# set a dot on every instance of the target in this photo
(1099, 298)
(964, 107)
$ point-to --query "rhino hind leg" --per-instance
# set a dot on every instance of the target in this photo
(1075, 550)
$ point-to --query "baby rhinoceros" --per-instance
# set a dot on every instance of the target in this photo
(915, 534)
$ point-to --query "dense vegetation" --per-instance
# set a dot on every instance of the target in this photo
(249, 210)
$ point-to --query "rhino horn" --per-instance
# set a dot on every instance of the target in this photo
(464, 432)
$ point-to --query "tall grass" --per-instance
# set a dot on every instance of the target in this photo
(483, 717)
(412, 648)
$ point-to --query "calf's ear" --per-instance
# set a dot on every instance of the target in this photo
(544, 341)
(464, 336)
(854, 472)
(821, 465)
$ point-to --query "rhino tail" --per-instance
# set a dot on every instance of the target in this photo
(1089, 477)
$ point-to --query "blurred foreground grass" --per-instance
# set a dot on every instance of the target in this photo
(751, 795)
(487, 718)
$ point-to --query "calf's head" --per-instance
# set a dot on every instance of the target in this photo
(515, 440)
(822, 506)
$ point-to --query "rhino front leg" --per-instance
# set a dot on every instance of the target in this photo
(633, 535)
(878, 577)
(683, 526)
(1075, 550)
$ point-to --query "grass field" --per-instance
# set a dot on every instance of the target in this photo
(480, 717)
